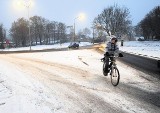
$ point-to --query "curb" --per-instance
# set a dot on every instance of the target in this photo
(158, 63)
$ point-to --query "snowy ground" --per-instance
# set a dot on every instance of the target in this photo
(144, 48)
(42, 47)
(72, 82)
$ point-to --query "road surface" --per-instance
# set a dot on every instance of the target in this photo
(72, 82)
(145, 64)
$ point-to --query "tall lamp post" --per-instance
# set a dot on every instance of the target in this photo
(94, 27)
(75, 28)
(81, 16)
(27, 5)
(93, 33)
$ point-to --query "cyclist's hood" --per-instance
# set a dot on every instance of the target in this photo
(113, 37)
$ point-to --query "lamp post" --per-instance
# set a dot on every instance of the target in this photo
(81, 16)
(95, 26)
(75, 28)
(27, 5)
(93, 33)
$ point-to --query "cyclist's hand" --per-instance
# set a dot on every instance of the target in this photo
(120, 55)
(106, 54)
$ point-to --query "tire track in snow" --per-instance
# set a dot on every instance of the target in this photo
(79, 97)
(70, 90)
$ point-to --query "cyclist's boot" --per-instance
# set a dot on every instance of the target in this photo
(105, 74)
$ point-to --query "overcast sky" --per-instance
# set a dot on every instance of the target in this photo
(67, 10)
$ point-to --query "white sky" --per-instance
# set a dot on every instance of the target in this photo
(67, 10)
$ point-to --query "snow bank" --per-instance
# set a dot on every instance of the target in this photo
(42, 47)
(145, 48)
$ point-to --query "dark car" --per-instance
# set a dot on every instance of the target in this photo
(74, 45)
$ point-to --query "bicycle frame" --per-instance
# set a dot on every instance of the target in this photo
(114, 65)
(114, 72)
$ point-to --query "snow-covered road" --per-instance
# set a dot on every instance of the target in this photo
(72, 82)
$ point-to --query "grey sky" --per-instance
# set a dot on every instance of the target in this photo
(67, 10)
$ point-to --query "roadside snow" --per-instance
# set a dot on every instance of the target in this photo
(149, 49)
(144, 48)
(42, 47)
(20, 93)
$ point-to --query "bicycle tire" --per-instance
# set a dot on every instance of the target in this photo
(104, 73)
(115, 81)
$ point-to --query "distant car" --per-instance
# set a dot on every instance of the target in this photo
(74, 45)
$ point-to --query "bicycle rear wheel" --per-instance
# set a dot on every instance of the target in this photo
(115, 76)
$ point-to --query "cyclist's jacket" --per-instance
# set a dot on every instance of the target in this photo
(112, 48)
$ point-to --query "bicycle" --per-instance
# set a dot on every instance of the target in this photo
(113, 70)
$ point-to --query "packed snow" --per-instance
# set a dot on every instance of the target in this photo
(68, 82)
(38, 82)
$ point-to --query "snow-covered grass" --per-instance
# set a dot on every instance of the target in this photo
(42, 47)
(145, 48)
(149, 49)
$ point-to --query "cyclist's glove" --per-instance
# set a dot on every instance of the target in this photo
(120, 55)
(106, 54)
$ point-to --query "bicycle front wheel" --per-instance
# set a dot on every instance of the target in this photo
(104, 69)
(115, 76)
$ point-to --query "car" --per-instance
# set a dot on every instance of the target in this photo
(74, 45)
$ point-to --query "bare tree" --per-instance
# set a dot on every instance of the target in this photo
(113, 19)
(34, 29)
(150, 25)
(38, 28)
(86, 32)
(61, 32)
(47, 31)
(2, 35)
(43, 31)
(19, 32)
(54, 31)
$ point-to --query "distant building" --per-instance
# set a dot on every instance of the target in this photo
(7, 44)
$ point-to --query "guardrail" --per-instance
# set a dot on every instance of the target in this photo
(158, 63)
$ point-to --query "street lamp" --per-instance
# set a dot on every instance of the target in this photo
(75, 29)
(81, 17)
(28, 5)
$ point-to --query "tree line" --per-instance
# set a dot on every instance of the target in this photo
(149, 27)
(42, 31)
(113, 20)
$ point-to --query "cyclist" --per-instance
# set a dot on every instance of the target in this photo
(111, 50)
